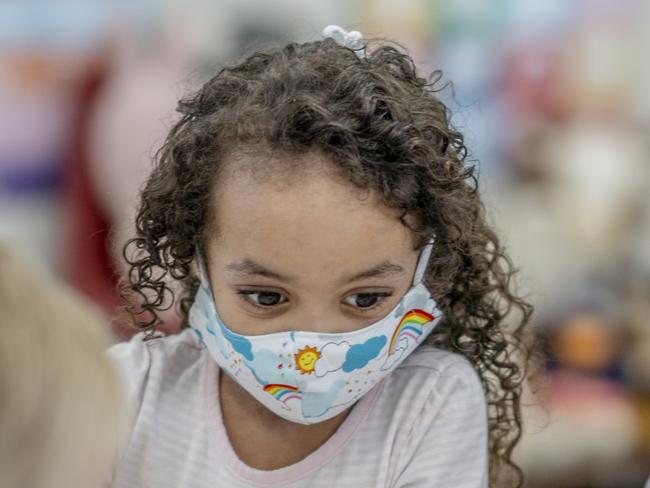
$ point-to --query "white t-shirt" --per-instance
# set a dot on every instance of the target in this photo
(425, 425)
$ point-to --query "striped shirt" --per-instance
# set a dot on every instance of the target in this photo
(425, 425)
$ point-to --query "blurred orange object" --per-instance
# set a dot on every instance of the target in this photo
(587, 342)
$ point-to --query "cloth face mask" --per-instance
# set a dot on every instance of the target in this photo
(308, 377)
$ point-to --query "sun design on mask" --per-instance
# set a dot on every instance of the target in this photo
(306, 359)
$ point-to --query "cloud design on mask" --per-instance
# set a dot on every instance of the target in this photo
(265, 365)
(316, 404)
(239, 343)
(397, 354)
(360, 354)
(332, 358)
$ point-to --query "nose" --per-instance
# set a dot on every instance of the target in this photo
(325, 322)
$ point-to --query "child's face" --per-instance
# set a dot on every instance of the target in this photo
(292, 251)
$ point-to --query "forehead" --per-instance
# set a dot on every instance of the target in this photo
(300, 210)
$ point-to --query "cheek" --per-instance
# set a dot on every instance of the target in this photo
(238, 318)
(229, 307)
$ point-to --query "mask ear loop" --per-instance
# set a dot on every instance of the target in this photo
(423, 262)
(203, 272)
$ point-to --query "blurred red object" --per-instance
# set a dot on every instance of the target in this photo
(89, 266)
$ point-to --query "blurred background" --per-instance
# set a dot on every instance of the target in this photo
(553, 99)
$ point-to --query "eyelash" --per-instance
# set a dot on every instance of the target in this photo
(244, 294)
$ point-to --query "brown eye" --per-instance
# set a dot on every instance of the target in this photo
(262, 299)
(366, 300)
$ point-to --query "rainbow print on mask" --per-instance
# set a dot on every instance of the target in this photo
(283, 393)
(410, 326)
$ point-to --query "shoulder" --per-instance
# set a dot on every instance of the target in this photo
(138, 355)
(435, 370)
(149, 368)
(436, 411)
(430, 357)
(431, 390)
(160, 378)
(430, 385)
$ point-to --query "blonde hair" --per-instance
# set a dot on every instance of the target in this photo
(59, 396)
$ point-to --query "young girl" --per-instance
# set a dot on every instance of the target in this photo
(343, 300)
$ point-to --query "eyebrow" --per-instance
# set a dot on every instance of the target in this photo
(382, 269)
(248, 267)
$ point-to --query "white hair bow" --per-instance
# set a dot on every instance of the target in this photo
(351, 39)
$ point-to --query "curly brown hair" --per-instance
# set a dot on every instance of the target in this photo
(384, 128)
